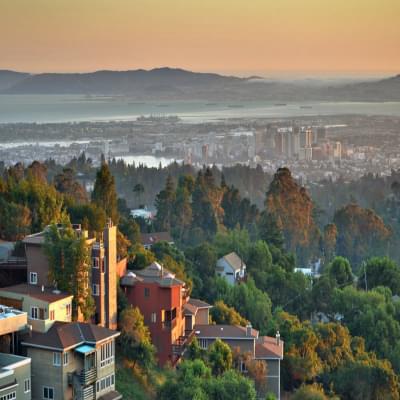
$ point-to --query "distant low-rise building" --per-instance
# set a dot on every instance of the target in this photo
(247, 341)
(231, 267)
(150, 239)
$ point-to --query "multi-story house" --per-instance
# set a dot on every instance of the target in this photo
(160, 297)
(43, 306)
(73, 361)
(103, 277)
(248, 342)
(15, 371)
(174, 319)
(231, 267)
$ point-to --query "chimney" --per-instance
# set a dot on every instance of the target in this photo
(278, 338)
(248, 330)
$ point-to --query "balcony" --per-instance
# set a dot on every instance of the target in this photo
(88, 376)
(86, 393)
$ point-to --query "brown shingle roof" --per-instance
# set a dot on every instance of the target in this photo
(64, 335)
(35, 291)
(267, 347)
(148, 239)
(224, 332)
(193, 305)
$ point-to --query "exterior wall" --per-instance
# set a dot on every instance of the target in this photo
(161, 299)
(37, 262)
(110, 244)
(245, 345)
(107, 370)
(20, 368)
(98, 279)
(44, 373)
(74, 364)
(202, 316)
(226, 272)
(273, 377)
(41, 324)
(13, 324)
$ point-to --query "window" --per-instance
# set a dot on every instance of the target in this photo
(103, 265)
(52, 315)
(95, 289)
(68, 310)
(95, 262)
(65, 358)
(48, 393)
(9, 396)
(33, 278)
(146, 292)
(203, 343)
(56, 359)
(243, 367)
(105, 383)
(153, 317)
(106, 354)
(27, 385)
(35, 312)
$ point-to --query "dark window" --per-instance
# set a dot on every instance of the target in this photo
(146, 292)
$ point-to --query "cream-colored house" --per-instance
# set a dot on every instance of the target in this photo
(43, 306)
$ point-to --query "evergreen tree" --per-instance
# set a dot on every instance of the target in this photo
(165, 201)
(104, 193)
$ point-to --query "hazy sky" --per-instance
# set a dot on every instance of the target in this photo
(234, 36)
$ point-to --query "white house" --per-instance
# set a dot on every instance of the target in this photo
(231, 267)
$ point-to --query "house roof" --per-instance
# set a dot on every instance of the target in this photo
(154, 273)
(36, 238)
(48, 295)
(267, 347)
(111, 395)
(224, 332)
(234, 261)
(148, 239)
(193, 305)
(65, 335)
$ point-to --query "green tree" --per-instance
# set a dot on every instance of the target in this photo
(225, 315)
(340, 271)
(138, 190)
(135, 338)
(165, 206)
(380, 271)
(104, 193)
(70, 267)
(310, 392)
(219, 357)
(361, 233)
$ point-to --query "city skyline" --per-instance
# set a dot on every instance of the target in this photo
(265, 37)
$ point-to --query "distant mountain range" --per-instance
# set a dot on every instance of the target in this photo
(179, 84)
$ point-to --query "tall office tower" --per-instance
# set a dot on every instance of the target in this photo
(295, 142)
(337, 151)
(321, 132)
(287, 144)
(309, 137)
(279, 143)
(204, 153)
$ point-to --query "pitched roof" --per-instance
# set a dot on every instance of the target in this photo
(267, 347)
(64, 335)
(154, 273)
(193, 305)
(152, 238)
(224, 332)
(48, 295)
(234, 261)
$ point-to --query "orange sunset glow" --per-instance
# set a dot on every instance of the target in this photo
(230, 36)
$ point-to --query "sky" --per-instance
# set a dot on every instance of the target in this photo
(243, 37)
